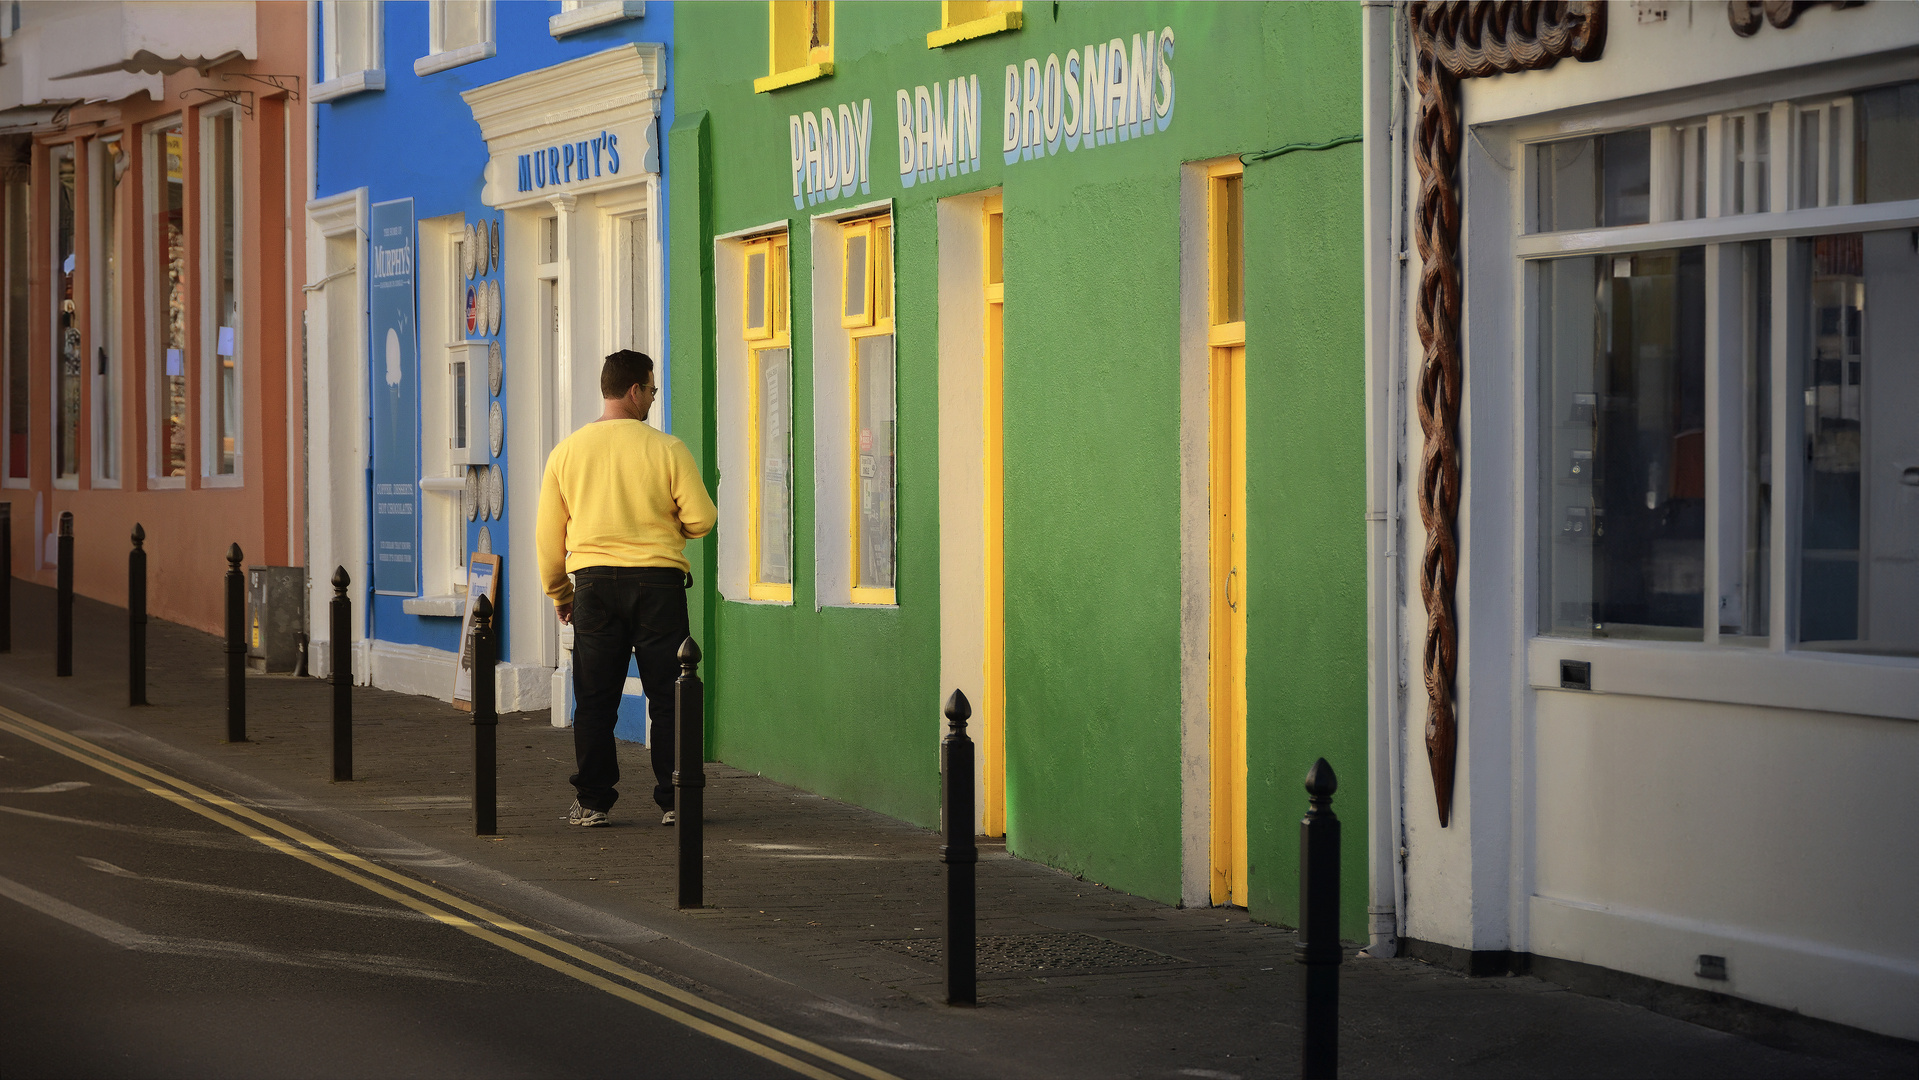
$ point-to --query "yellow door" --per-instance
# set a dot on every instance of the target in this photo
(993, 712)
(1226, 340)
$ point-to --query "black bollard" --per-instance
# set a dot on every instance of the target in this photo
(486, 723)
(236, 647)
(6, 577)
(342, 613)
(958, 853)
(689, 774)
(1318, 950)
(63, 599)
(137, 618)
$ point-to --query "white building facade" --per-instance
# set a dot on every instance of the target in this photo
(1653, 537)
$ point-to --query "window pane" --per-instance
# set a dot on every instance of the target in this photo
(1229, 289)
(1622, 433)
(70, 365)
(1747, 610)
(1890, 117)
(170, 296)
(223, 165)
(463, 23)
(875, 426)
(352, 20)
(459, 405)
(636, 313)
(776, 465)
(1604, 180)
(1859, 557)
(855, 275)
(19, 194)
(756, 292)
(883, 270)
(995, 252)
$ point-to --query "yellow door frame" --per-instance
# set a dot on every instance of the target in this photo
(1226, 344)
(992, 518)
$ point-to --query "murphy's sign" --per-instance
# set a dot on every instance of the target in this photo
(575, 128)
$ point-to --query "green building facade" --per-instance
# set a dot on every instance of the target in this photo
(1018, 369)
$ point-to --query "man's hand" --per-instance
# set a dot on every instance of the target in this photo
(566, 612)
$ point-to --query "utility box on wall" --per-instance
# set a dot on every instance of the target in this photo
(275, 595)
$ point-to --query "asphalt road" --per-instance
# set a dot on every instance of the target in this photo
(139, 937)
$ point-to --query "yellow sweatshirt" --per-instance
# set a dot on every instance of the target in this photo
(618, 493)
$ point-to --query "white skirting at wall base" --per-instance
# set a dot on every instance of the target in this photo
(419, 669)
(1872, 990)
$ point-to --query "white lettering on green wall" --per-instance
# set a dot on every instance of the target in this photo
(831, 152)
(1104, 94)
(938, 130)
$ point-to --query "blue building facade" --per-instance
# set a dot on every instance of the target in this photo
(487, 221)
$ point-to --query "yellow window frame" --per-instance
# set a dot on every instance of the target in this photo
(803, 62)
(964, 20)
(1225, 254)
(877, 286)
(772, 333)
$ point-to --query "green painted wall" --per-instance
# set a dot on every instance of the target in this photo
(845, 702)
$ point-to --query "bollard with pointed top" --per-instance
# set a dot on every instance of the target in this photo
(1319, 950)
(63, 598)
(341, 617)
(137, 618)
(6, 577)
(689, 775)
(486, 723)
(236, 647)
(959, 853)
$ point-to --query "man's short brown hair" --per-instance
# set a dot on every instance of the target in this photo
(622, 370)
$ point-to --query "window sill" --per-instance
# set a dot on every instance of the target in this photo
(436, 607)
(234, 480)
(794, 77)
(16, 482)
(166, 483)
(66, 483)
(355, 82)
(588, 16)
(1886, 686)
(874, 597)
(966, 31)
(103, 483)
(452, 58)
(772, 594)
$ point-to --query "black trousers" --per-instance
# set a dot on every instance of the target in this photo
(621, 612)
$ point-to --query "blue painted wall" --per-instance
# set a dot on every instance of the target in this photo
(417, 139)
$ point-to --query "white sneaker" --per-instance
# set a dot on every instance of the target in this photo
(669, 817)
(580, 815)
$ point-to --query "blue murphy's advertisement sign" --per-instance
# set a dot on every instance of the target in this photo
(395, 355)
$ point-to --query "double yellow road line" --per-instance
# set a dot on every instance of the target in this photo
(802, 1056)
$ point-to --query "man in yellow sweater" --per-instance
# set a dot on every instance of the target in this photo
(617, 505)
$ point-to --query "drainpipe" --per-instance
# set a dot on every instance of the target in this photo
(1380, 150)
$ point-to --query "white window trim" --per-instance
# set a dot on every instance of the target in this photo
(578, 15)
(1776, 673)
(734, 572)
(152, 184)
(339, 84)
(51, 196)
(439, 59)
(209, 319)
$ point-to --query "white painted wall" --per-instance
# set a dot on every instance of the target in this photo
(1699, 800)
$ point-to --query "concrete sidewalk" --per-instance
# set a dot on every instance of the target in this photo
(824, 918)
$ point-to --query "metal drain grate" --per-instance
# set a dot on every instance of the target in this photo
(1006, 954)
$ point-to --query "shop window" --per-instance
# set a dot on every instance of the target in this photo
(1842, 151)
(353, 33)
(69, 366)
(1726, 451)
(220, 254)
(866, 314)
(458, 32)
(578, 15)
(107, 168)
(799, 43)
(167, 312)
(769, 410)
(19, 195)
(961, 20)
